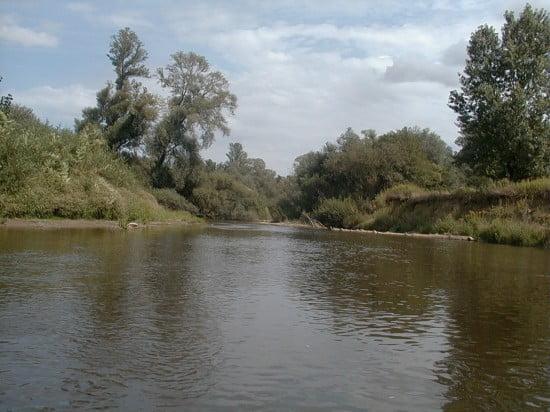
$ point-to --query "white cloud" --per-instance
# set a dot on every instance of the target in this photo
(455, 54)
(420, 70)
(128, 19)
(118, 19)
(58, 105)
(81, 7)
(12, 32)
(289, 106)
(300, 86)
(302, 71)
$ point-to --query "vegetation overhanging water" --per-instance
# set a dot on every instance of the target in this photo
(136, 156)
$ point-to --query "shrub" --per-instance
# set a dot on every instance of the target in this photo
(514, 233)
(49, 172)
(221, 196)
(172, 200)
(338, 213)
(399, 193)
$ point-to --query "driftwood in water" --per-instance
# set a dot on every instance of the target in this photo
(313, 222)
(416, 235)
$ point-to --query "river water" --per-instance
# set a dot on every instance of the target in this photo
(246, 317)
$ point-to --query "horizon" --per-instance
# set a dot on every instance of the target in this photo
(303, 72)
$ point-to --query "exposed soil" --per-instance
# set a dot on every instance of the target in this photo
(82, 224)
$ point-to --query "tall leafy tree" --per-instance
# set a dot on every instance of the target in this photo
(360, 166)
(503, 105)
(127, 55)
(196, 110)
(237, 155)
(125, 110)
(237, 159)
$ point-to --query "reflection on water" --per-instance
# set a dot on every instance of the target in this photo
(260, 317)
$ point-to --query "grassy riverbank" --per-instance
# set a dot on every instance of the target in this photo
(52, 173)
(507, 213)
(48, 172)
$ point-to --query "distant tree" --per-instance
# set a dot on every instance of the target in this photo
(237, 156)
(5, 101)
(199, 101)
(125, 110)
(416, 156)
(210, 166)
(503, 106)
(127, 54)
(360, 166)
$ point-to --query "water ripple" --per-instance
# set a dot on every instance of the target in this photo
(260, 317)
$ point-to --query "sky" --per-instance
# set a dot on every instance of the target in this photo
(303, 70)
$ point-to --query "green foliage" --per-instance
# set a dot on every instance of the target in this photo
(399, 193)
(196, 111)
(404, 180)
(341, 213)
(252, 173)
(511, 213)
(48, 172)
(172, 200)
(503, 106)
(287, 202)
(237, 159)
(126, 110)
(5, 101)
(127, 55)
(361, 167)
(221, 196)
(515, 233)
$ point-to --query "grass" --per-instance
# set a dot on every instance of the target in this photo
(507, 213)
(338, 213)
(50, 173)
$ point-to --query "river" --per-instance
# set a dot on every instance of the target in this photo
(248, 317)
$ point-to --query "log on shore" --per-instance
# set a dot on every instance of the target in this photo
(414, 235)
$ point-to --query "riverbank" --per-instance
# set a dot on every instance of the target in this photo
(87, 224)
(514, 213)
(446, 236)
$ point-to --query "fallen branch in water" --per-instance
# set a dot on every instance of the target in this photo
(415, 235)
(313, 222)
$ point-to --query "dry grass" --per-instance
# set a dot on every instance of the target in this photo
(511, 213)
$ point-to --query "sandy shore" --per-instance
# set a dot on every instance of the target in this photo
(82, 224)
(60, 224)
(415, 235)
(113, 225)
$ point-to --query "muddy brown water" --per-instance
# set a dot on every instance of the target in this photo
(247, 317)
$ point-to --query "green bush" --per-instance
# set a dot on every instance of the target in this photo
(514, 233)
(48, 172)
(338, 213)
(221, 196)
(172, 200)
(399, 193)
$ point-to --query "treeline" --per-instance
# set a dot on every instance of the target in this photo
(134, 151)
(359, 167)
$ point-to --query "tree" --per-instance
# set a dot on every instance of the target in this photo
(359, 167)
(5, 101)
(127, 54)
(196, 109)
(238, 162)
(125, 110)
(237, 155)
(503, 106)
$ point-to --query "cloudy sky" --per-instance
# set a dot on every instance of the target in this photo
(303, 70)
